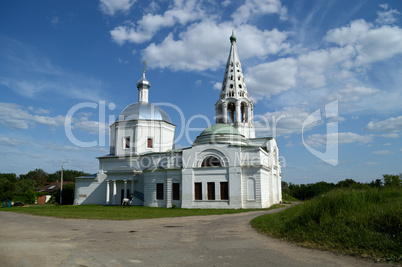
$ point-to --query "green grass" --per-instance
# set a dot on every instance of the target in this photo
(119, 213)
(286, 198)
(366, 223)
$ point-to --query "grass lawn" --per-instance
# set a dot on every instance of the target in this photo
(366, 223)
(119, 213)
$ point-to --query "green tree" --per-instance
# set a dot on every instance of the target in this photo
(29, 197)
(392, 180)
(68, 175)
(8, 183)
(285, 188)
(38, 175)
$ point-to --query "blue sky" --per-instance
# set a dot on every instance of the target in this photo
(335, 64)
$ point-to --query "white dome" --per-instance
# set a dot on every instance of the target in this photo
(143, 111)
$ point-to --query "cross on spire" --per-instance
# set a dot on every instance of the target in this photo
(144, 66)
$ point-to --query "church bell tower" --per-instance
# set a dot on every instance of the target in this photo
(234, 106)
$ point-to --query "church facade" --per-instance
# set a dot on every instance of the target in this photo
(226, 167)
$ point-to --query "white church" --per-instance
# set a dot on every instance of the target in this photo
(226, 167)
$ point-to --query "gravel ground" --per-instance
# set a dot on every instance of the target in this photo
(216, 240)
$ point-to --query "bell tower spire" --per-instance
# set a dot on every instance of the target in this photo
(143, 86)
(234, 106)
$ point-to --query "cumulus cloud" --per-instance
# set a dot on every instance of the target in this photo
(390, 125)
(371, 44)
(89, 126)
(287, 121)
(111, 7)
(217, 86)
(16, 117)
(353, 93)
(252, 8)
(149, 24)
(204, 46)
(348, 34)
(272, 78)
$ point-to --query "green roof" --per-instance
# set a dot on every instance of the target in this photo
(220, 128)
(220, 133)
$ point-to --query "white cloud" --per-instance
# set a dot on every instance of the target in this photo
(272, 78)
(390, 125)
(348, 34)
(5, 141)
(111, 7)
(17, 117)
(382, 152)
(204, 46)
(319, 140)
(353, 93)
(287, 121)
(390, 135)
(217, 86)
(149, 24)
(92, 127)
(387, 16)
(371, 44)
(252, 8)
(14, 116)
(226, 3)
(379, 44)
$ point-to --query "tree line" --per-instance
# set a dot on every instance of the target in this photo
(23, 187)
(309, 191)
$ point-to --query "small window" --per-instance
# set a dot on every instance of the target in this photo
(224, 191)
(150, 143)
(231, 86)
(198, 191)
(176, 191)
(211, 190)
(159, 191)
(126, 142)
(238, 78)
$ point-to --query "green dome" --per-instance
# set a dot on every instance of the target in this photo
(220, 133)
(233, 37)
(220, 128)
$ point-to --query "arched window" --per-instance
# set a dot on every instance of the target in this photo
(211, 161)
(243, 110)
(231, 113)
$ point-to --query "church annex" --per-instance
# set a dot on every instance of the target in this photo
(226, 167)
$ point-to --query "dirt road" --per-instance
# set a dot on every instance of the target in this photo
(216, 240)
